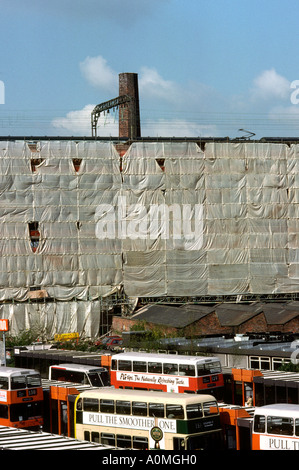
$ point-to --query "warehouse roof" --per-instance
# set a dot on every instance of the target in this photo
(177, 317)
(235, 314)
(280, 313)
(229, 314)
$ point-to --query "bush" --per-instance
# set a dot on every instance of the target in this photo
(24, 338)
(289, 367)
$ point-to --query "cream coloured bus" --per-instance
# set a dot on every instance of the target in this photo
(139, 419)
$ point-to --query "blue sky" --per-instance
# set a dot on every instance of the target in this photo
(205, 67)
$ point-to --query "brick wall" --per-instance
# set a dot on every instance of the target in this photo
(209, 325)
(129, 115)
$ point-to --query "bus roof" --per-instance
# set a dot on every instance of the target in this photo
(144, 395)
(177, 358)
(22, 439)
(12, 371)
(78, 367)
(278, 409)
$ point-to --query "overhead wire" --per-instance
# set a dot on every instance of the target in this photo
(151, 118)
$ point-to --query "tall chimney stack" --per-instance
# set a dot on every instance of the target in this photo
(129, 115)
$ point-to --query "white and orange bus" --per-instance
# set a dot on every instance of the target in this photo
(276, 427)
(21, 398)
(167, 372)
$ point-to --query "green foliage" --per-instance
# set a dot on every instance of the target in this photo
(150, 335)
(80, 345)
(24, 338)
(289, 367)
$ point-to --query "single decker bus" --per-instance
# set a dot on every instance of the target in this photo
(167, 373)
(80, 374)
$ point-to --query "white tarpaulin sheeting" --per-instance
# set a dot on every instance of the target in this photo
(174, 220)
(249, 194)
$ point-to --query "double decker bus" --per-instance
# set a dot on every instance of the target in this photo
(21, 398)
(142, 420)
(276, 427)
(167, 373)
(80, 374)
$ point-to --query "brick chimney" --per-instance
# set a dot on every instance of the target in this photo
(129, 115)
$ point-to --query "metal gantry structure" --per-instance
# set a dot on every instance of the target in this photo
(119, 102)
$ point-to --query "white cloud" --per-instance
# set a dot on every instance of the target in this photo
(79, 123)
(194, 109)
(177, 128)
(152, 85)
(99, 74)
(286, 117)
(270, 85)
(166, 98)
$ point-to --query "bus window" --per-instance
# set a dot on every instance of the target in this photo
(194, 410)
(3, 383)
(280, 425)
(174, 412)
(25, 411)
(106, 406)
(186, 369)
(114, 364)
(33, 380)
(91, 404)
(155, 367)
(95, 437)
(170, 369)
(139, 366)
(69, 376)
(107, 439)
(4, 411)
(178, 443)
(140, 443)
(99, 379)
(201, 370)
(211, 442)
(125, 365)
(214, 367)
(123, 441)
(123, 407)
(86, 436)
(296, 427)
(18, 382)
(210, 408)
(139, 408)
(156, 410)
(259, 423)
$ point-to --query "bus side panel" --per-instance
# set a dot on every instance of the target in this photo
(255, 442)
(202, 383)
(29, 394)
(195, 383)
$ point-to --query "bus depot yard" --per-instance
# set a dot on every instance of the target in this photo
(64, 399)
